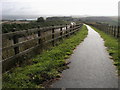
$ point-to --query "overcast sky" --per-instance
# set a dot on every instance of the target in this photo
(60, 7)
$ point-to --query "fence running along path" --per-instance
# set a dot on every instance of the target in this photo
(112, 30)
(54, 34)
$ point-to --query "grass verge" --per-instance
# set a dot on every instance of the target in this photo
(46, 66)
(112, 46)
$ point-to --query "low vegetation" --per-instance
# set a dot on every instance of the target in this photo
(112, 44)
(45, 66)
(6, 28)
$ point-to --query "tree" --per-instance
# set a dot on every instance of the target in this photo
(40, 19)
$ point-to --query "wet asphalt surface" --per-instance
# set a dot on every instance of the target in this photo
(90, 66)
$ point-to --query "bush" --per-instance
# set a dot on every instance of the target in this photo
(40, 19)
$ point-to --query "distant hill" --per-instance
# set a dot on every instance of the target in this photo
(59, 18)
(112, 20)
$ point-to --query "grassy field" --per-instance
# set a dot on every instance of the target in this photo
(112, 45)
(45, 66)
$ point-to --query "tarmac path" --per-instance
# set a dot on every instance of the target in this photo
(90, 66)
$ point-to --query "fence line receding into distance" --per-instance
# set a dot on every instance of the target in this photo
(21, 45)
(111, 30)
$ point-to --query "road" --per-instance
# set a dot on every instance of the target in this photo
(90, 66)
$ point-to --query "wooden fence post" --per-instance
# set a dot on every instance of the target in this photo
(66, 31)
(39, 35)
(103, 28)
(73, 29)
(70, 29)
(107, 29)
(118, 31)
(53, 36)
(114, 31)
(110, 30)
(15, 41)
(61, 31)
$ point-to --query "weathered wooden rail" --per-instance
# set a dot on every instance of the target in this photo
(39, 39)
(112, 30)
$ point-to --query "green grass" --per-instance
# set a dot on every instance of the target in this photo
(46, 66)
(112, 46)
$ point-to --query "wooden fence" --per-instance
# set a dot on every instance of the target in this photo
(37, 40)
(112, 30)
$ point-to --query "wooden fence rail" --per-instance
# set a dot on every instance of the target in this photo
(39, 41)
(112, 30)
